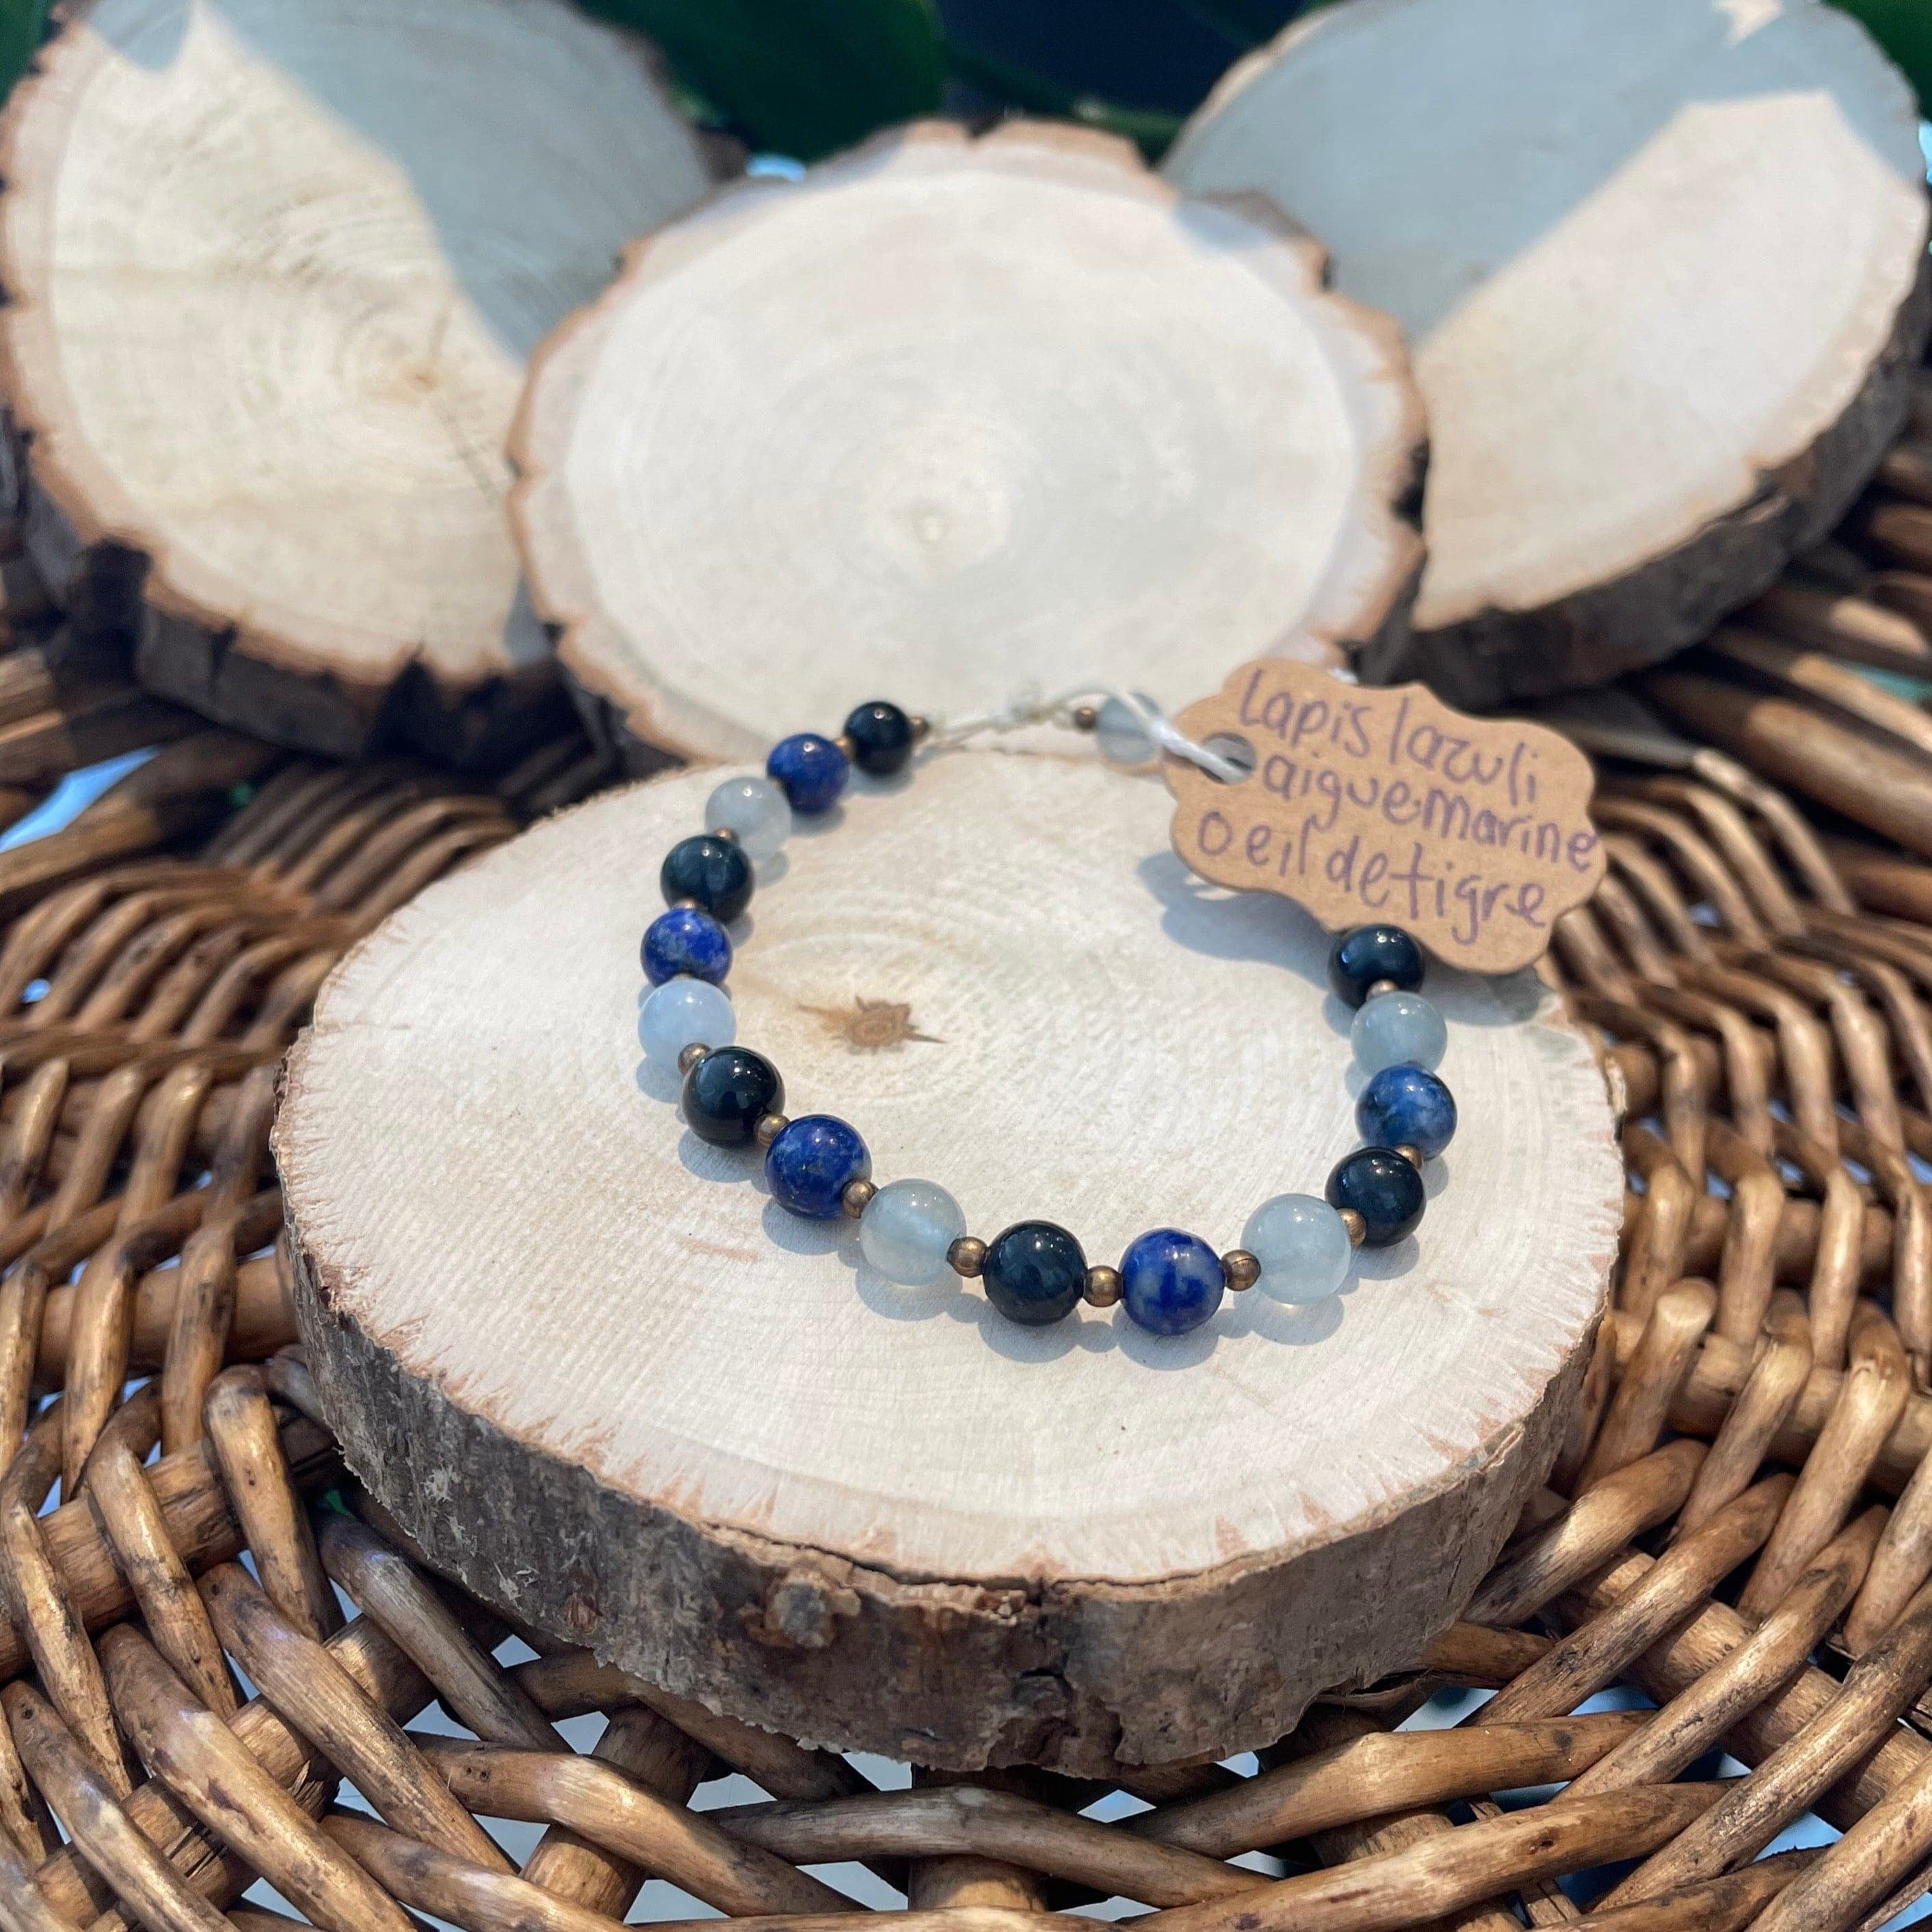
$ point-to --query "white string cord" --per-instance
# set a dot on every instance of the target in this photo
(1029, 706)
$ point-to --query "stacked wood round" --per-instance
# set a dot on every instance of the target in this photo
(623, 1393)
(990, 412)
(1661, 264)
(273, 268)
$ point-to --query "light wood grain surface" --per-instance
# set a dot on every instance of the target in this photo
(953, 414)
(1661, 263)
(590, 1363)
(273, 269)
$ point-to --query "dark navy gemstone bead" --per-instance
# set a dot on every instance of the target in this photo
(881, 738)
(812, 1162)
(1170, 1282)
(810, 770)
(1033, 1272)
(685, 941)
(728, 1093)
(1383, 1188)
(713, 872)
(1368, 953)
(1406, 1106)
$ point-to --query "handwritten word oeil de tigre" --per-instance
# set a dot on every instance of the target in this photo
(1409, 890)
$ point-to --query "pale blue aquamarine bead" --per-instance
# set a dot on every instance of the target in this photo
(1303, 1247)
(1121, 733)
(755, 811)
(907, 1230)
(1393, 1028)
(681, 1012)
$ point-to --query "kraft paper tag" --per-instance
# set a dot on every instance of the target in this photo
(1472, 833)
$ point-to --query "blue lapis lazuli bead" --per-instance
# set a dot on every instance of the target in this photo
(812, 1162)
(1407, 1106)
(810, 771)
(686, 941)
(1170, 1282)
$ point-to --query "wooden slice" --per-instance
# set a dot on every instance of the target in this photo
(606, 1381)
(273, 268)
(1662, 265)
(951, 415)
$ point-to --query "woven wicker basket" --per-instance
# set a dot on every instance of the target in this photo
(1740, 1530)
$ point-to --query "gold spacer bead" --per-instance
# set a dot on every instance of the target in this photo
(685, 905)
(1101, 1288)
(966, 1255)
(691, 1055)
(768, 1128)
(1086, 717)
(1413, 1155)
(1239, 1269)
(1358, 1228)
(854, 1196)
(725, 833)
(1379, 987)
(922, 727)
(843, 742)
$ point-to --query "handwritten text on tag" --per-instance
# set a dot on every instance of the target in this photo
(1474, 833)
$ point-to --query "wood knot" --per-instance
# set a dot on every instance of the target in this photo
(871, 1026)
(581, 1614)
(800, 1611)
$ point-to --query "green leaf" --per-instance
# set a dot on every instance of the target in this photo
(21, 24)
(799, 77)
(1903, 27)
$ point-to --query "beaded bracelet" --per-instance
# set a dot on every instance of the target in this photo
(1294, 1247)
